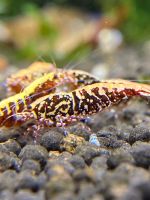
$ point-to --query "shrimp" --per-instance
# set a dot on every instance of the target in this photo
(47, 84)
(20, 80)
(62, 108)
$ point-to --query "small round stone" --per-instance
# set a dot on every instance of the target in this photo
(12, 146)
(64, 155)
(63, 164)
(88, 152)
(124, 133)
(28, 195)
(80, 130)
(6, 135)
(116, 158)
(6, 195)
(60, 181)
(77, 161)
(3, 148)
(7, 179)
(86, 175)
(35, 152)
(139, 133)
(86, 191)
(131, 194)
(31, 165)
(144, 188)
(27, 180)
(66, 195)
(141, 154)
(110, 142)
(5, 161)
(9, 160)
(99, 162)
(52, 140)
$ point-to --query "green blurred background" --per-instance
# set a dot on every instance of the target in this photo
(130, 17)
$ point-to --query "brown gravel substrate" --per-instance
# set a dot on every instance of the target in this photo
(70, 168)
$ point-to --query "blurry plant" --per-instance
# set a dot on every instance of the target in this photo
(30, 52)
(44, 40)
(77, 54)
(133, 21)
(135, 26)
(136, 13)
(9, 8)
(15, 7)
(47, 30)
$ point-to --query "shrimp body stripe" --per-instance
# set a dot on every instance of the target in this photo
(87, 100)
(18, 81)
(60, 109)
(20, 101)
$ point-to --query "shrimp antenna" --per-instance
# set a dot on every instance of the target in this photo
(82, 60)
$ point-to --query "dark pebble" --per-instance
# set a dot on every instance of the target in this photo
(66, 195)
(107, 133)
(86, 191)
(54, 187)
(86, 175)
(132, 194)
(5, 161)
(128, 173)
(141, 154)
(27, 180)
(52, 140)
(128, 114)
(9, 160)
(7, 180)
(144, 188)
(99, 177)
(115, 183)
(35, 152)
(6, 195)
(12, 146)
(25, 139)
(31, 165)
(77, 161)
(50, 167)
(64, 156)
(102, 120)
(117, 158)
(140, 119)
(3, 148)
(6, 135)
(28, 195)
(55, 169)
(111, 137)
(139, 133)
(80, 129)
(110, 142)
(97, 197)
(88, 152)
(124, 133)
(60, 181)
(67, 166)
(99, 162)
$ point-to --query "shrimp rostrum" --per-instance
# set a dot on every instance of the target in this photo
(62, 108)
